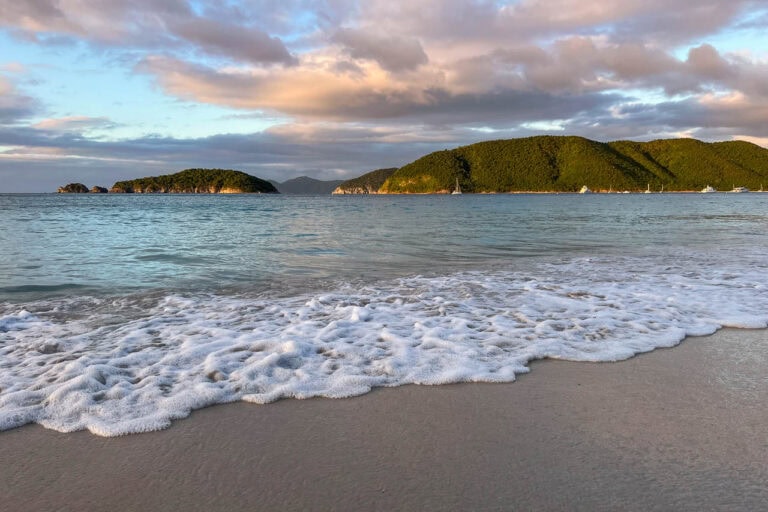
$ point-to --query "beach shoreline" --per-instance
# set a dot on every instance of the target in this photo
(673, 429)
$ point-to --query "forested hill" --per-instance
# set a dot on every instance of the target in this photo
(565, 164)
(368, 183)
(306, 185)
(197, 181)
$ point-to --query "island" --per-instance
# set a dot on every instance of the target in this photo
(196, 181)
(568, 163)
(73, 188)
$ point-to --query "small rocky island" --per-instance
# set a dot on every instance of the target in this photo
(190, 181)
(73, 188)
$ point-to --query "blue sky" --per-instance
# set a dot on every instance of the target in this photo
(99, 91)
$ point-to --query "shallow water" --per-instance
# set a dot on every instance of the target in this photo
(119, 313)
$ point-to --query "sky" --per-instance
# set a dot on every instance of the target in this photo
(96, 91)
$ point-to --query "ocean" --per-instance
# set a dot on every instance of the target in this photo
(122, 313)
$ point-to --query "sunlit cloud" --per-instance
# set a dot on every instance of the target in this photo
(76, 124)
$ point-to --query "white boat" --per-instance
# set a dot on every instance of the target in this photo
(708, 190)
(457, 190)
(648, 190)
(585, 190)
(739, 190)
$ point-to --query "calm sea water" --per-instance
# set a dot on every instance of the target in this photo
(120, 313)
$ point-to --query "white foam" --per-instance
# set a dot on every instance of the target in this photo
(135, 364)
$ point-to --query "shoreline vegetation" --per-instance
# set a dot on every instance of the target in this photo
(533, 165)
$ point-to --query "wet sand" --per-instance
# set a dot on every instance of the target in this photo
(677, 429)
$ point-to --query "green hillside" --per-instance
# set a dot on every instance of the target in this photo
(368, 183)
(197, 181)
(565, 164)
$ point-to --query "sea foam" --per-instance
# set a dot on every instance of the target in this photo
(133, 364)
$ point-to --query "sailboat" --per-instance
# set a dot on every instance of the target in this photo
(457, 190)
(648, 190)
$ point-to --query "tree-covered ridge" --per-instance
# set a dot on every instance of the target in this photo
(197, 181)
(306, 185)
(73, 188)
(565, 164)
(368, 183)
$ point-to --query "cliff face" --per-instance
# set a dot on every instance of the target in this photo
(122, 188)
(356, 190)
(196, 181)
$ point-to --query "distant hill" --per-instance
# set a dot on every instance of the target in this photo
(197, 181)
(368, 183)
(306, 185)
(565, 164)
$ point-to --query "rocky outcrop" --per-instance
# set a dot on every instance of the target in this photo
(98, 190)
(356, 190)
(73, 188)
(122, 188)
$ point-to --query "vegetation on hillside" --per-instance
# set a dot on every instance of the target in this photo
(197, 181)
(368, 183)
(565, 164)
(73, 188)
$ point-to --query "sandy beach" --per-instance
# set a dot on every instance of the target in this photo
(675, 429)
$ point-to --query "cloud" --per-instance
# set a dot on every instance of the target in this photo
(392, 53)
(236, 42)
(308, 91)
(654, 21)
(537, 82)
(76, 124)
(14, 106)
(146, 24)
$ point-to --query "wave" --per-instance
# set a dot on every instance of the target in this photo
(118, 365)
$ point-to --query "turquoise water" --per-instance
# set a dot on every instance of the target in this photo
(108, 243)
(121, 313)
